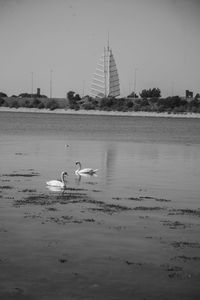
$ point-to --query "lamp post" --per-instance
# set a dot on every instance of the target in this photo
(31, 84)
(51, 84)
(135, 77)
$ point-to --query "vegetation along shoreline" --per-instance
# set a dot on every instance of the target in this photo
(150, 103)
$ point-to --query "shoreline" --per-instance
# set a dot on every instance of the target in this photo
(100, 112)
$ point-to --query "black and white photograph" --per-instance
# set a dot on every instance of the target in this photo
(99, 149)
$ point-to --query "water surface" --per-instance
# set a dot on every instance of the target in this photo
(132, 231)
(159, 156)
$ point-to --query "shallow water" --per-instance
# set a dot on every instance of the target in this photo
(141, 207)
(155, 156)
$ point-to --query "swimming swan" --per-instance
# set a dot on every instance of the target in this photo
(58, 183)
(56, 189)
(80, 171)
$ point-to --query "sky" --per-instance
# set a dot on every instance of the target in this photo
(156, 43)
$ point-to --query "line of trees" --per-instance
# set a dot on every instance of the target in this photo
(170, 104)
(150, 100)
(23, 95)
(13, 102)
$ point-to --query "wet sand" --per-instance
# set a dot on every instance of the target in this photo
(74, 244)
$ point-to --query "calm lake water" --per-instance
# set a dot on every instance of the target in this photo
(156, 157)
(131, 232)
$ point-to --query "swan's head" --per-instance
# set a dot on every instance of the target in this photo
(78, 163)
(64, 173)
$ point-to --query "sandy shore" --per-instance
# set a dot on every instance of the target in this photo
(100, 112)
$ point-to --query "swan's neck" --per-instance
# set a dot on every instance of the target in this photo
(79, 166)
(62, 177)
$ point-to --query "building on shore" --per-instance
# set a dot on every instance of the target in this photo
(105, 82)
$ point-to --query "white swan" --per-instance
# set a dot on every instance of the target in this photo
(59, 183)
(56, 189)
(80, 171)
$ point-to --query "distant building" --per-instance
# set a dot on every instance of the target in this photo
(105, 81)
(188, 94)
(38, 91)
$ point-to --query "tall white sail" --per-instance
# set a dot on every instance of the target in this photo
(114, 89)
(105, 81)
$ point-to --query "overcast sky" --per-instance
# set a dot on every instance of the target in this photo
(158, 40)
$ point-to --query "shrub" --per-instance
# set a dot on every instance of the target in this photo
(121, 108)
(171, 102)
(74, 106)
(179, 109)
(88, 106)
(146, 108)
(151, 93)
(5, 104)
(194, 109)
(26, 103)
(52, 104)
(3, 94)
(144, 102)
(136, 107)
(14, 104)
(119, 104)
(41, 105)
(106, 102)
(194, 103)
(105, 108)
(36, 102)
(1, 101)
(30, 105)
(129, 104)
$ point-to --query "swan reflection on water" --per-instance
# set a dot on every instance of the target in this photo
(84, 175)
(56, 188)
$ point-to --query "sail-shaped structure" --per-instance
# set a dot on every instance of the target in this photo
(105, 81)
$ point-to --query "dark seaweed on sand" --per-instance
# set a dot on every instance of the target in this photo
(45, 199)
(141, 198)
(32, 174)
(186, 258)
(28, 191)
(6, 187)
(71, 197)
(182, 245)
(155, 208)
(190, 212)
(67, 219)
(173, 225)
